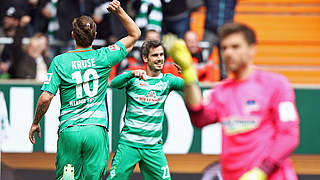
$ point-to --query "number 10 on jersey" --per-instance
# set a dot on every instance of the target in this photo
(83, 82)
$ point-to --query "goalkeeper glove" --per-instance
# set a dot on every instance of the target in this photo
(181, 55)
(254, 174)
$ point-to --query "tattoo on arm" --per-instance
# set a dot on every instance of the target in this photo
(40, 111)
(42, 106)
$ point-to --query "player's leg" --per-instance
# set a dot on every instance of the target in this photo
(69, 154)
(154, 165)
(123, 162)
(95, 152)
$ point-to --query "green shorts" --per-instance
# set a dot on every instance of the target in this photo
(86, 148)
(152, 162)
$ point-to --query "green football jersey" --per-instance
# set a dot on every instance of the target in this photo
(82, 77)
(145, 107)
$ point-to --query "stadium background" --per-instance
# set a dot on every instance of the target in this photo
(289, 43)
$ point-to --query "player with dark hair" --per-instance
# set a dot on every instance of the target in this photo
(141, 137)
(81, 75)
(260, 123)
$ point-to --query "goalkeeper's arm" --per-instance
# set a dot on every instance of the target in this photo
(181, 55)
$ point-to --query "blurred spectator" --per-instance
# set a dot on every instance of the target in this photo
(192, 43)
(3, 8)
(176, 15)
(38, 21)
(60, 14)
(103, 19)
(152, 35)
(11, 21)
(49, 11)
(30, 62)
(205, 67)
(149, 16)
(31, 8)
(218, 12)
(8, 29)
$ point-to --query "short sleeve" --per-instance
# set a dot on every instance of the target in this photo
(176, 83)
(53, 80)
(114, 53)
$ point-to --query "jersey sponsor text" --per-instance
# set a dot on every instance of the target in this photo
(81, 101)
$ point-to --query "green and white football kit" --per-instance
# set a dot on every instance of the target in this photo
(141, 137)
(82, 77)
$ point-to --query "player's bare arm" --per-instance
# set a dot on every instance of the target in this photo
(42, 107)
(134, 32)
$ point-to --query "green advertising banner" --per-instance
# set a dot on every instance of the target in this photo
(18, 103)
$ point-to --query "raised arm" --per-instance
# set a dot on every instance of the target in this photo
(134, 32)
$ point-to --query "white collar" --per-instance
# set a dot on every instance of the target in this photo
(156, 77)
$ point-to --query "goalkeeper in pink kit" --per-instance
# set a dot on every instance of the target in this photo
(257, 111)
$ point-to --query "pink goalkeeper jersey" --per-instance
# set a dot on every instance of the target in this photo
(260, 124)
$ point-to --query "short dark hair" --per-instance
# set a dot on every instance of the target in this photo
(84, 29)
(147, 45)
(232, 28)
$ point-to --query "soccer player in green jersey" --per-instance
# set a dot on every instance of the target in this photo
(81, 75)
(141, 137)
